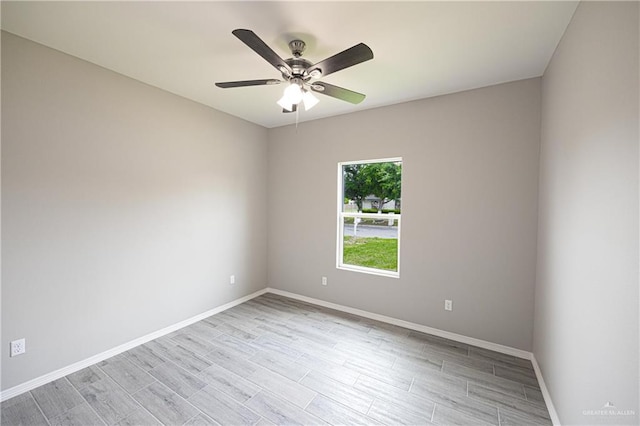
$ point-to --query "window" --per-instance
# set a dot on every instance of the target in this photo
(369, 194)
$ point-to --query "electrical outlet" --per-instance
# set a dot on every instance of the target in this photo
(18, 347)
(448, 305)
(324, 280)
(232, 279)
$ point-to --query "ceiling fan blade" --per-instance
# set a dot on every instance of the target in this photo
(293, 109)
(345, 59)
(249, 38)
(337, 92)
(229, 84)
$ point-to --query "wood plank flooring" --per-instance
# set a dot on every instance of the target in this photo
(274, 360)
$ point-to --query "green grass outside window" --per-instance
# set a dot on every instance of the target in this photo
(378, 253)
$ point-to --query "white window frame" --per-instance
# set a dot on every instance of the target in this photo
(342, 215)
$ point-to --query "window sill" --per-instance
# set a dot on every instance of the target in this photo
(370, 271)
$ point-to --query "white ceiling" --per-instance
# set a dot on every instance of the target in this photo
(421, 49)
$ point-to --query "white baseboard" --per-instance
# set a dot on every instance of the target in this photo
(57, 374)
(545, 392)
(410, 325)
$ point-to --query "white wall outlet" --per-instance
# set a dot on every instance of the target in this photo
(448, 305)
(324, 280)
(232, 279)
(18, 347)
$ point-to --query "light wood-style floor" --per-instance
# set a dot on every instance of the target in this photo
(275, 360)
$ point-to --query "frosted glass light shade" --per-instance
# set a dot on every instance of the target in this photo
(284, 103)
(309, 100)
(293, 94)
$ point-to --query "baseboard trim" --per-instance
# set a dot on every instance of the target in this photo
(519, 353)
(545, 392)
(57, 374)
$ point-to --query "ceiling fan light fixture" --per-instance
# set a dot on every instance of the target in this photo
(285, 104)
(293, 93)
(309, 100)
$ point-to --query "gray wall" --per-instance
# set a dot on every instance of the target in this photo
(470, 177)
(124, 208)
(586, 306)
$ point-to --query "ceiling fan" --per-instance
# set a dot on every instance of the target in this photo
(301, 74)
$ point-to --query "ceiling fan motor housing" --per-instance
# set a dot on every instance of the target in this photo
(298, 67)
